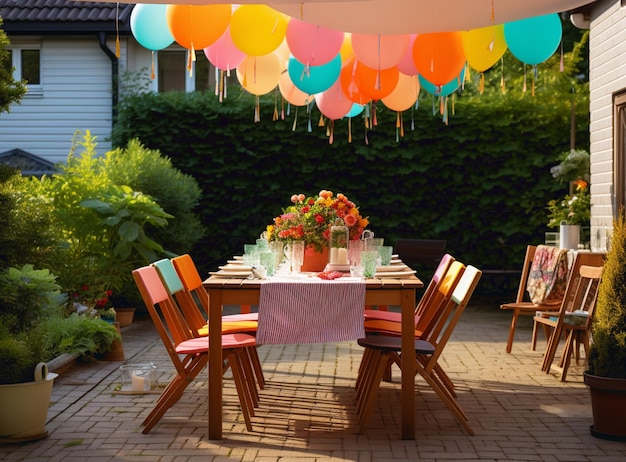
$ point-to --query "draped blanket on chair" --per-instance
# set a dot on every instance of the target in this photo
(548, 275)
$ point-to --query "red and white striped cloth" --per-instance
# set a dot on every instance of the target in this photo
(310, 311)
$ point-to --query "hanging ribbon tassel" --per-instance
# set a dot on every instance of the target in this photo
(257, 109)
(502, 87)
(282, 107)
(534, 77)
(331, 127)
(445, 111)
(295, 120)
(289, 109)
(441, 104)
(524, 88)
(401, 125)
(349, 129)
(398, 127)
(481, 84)
(413, 116)
(117, 31)
(321, 121)
(152, 67)
(309, 107)
(217, 82)
(275, 114)
(453, 100)
(366, 116)
(374, 119)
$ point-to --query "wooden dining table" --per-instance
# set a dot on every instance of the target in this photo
(385, 291)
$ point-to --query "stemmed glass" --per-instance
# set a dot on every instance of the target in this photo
(295, 255)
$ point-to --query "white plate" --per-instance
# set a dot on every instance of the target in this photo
(237, 268)
(395, 274)
(235, 262)
(231, 274)
(396, 261)
(391, 268)
(238, 257)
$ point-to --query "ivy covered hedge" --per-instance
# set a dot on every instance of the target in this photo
(481, 181)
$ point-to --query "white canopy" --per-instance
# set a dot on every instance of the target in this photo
(404, 16)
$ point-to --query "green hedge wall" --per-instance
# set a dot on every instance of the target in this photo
(481, 181)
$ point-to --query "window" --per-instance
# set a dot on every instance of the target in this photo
(27, 64)
(619, 149)
(173, 74)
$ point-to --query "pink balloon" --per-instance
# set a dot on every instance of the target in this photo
(311, 44)
(223, 53)
(406, 65)
(333, 103)
(379, 51)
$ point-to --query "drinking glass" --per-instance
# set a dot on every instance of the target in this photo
(384, 252)
(354, 252)
(262, 244)
(369, 258)
(268, 260)
(296, 255)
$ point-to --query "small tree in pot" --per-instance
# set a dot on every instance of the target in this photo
(606, 376)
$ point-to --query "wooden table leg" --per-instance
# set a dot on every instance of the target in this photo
(215, 364)
(408, 364)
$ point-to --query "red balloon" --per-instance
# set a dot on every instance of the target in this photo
(439, 57)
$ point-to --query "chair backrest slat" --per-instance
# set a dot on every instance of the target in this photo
(435, 282)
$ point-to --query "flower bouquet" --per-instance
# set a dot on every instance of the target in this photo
(309, 219)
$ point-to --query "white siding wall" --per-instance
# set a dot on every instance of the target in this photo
(76, 84)
(607, 62)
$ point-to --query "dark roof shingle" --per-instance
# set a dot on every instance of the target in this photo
(55, 16)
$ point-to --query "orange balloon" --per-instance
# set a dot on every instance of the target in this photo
(374, 83)
(291, 93)
(404, 95)
(439, 57)
(197, 26)
(348, 80)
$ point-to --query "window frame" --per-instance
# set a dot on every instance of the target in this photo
(16, 49)
(619, 149)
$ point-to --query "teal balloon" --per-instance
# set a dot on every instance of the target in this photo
(314, 79)
(533, 40)
(148, 24)
(356, 110)
(444, 90)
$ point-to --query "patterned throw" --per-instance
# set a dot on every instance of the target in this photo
(548, 275)
(311, 311)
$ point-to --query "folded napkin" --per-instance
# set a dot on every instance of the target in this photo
(547, 279)
(310, 311)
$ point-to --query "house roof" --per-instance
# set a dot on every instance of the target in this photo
(64, 17)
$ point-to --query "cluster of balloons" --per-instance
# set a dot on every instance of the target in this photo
(340, 71)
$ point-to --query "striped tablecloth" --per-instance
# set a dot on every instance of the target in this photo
(311, 310)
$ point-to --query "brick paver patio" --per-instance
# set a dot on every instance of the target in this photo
(307, 410)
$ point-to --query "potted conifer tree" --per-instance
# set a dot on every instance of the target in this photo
(606, 376)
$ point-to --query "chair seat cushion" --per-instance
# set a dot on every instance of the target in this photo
(390, 342)
(201, 344)
(230, 327)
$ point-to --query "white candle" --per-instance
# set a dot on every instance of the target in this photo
(334, 255)
(342, 256)
(137, 382)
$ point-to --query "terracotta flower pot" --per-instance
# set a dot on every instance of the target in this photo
(124, 316)
(608, 404)
(314, 262)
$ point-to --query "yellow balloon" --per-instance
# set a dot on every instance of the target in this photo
(404, 95)
(259, 74)
(257, 29)
(484, 47)
(346, 51)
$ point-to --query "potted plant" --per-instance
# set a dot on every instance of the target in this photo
(25, 384)
(606, 376)
(309, 219)
(571, 214)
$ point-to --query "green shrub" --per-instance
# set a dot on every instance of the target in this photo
(607, 356)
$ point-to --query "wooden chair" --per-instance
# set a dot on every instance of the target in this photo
(384, 348)
(194, 294)
(395, 316)
(521, 305)
(188, 354)
(573, 319)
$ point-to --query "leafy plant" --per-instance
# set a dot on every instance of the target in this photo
(11, 91)
(571, 210)
(607, 356)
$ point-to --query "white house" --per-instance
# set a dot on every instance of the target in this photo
(67, 52)
(607, 64)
